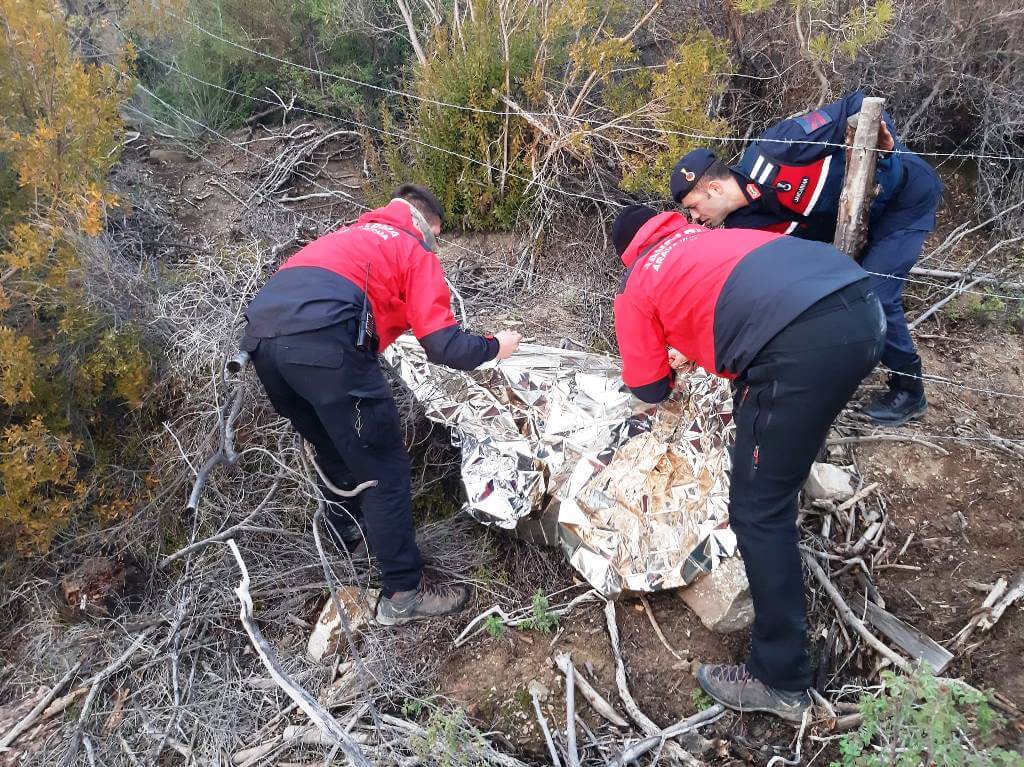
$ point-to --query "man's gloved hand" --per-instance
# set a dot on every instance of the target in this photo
(508, 343)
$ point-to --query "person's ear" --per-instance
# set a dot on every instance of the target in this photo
(715, 187)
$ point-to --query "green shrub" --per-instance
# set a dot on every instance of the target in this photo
(920, 720)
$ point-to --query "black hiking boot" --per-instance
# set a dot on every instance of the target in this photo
(735, 688)
(903, 401)
(431, 599)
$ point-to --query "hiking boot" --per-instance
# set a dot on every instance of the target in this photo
(734, 687)
(896, 407)
(903, 401)
(431, 599)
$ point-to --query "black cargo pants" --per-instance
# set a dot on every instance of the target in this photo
(314, 379)
(786, 400)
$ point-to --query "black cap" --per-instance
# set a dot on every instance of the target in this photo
(629, 221)
(422, 195)
(688, 171)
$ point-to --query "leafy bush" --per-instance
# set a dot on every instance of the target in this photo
(177, 59)
(577, 60)
(68, 372)
(920, 720)
(542, 619)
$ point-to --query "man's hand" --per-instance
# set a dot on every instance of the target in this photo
(885, 140)
(675, 359)
(508, 342)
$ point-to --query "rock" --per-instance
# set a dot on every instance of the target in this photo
(100, 587)
(328, 633)
(168, 156)
(537, 689)
(721, 599)
(829, 483)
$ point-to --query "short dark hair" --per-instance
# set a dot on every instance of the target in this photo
(717, 171)
(422, 198)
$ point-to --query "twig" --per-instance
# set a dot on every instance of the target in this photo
(646, 725)
(572, 753)
(96, 683)
(598, 703)
(544, 727)
(859, 496)
(708, 716)
(850, 618)
(886, 438)
(29, 719)
(317, 713)
(657, 628)
(224, 534)
(799, 743)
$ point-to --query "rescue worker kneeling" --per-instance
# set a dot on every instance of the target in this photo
(797, 326)
(314, 332)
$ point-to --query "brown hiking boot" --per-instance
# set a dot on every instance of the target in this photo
(431, 599)
(734, 687)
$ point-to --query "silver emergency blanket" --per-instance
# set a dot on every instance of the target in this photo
(556, 450)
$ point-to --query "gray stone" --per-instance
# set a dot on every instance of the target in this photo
(721, 599)
(829, 483)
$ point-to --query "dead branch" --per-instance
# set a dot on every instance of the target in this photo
(646, 725)
(29, 719)
(598, 703)
(317, 713)
(850, 618)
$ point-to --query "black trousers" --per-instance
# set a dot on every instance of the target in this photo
(786, 400)
(356, 439)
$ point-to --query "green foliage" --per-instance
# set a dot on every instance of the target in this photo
(752, 6)
(312, 33)
(412, 708)
(451, 740)
(575, 57)
(688, 82)
(919, 719)
(467, 70)
(700, 699)
(980, 309)
(541, 619)
(849, 31)
(494, 626)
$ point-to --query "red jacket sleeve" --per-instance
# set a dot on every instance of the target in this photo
(428, 303)
(645, 368)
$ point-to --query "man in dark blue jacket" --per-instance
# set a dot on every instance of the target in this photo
(789, 181)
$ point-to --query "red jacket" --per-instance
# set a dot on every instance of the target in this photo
(406, 282)
(716, 295)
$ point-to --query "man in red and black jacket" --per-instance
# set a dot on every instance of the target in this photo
(796, 325)
(314, 332)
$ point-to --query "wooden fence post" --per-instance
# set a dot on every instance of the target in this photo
(859, 183)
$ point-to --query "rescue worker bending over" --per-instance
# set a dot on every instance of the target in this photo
(796, 325)
(314, 332)
(785, 184)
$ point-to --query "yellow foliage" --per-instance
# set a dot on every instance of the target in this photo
(38, 475)
(62, 366)
(684, 88)
(17, 367)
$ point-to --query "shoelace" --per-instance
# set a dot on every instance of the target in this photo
(731, 674)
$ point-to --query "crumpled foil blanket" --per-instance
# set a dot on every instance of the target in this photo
(556, 450)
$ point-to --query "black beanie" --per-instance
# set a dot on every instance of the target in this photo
(629, 221)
